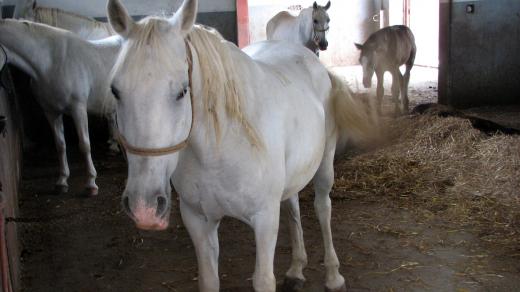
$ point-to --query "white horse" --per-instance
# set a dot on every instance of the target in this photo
(238, 133)
(68, 76)
(308, 28)
(87, 28)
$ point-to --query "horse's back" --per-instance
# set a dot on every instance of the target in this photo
(398, 43)
(299, 87)
(293, 64)
(280, 27)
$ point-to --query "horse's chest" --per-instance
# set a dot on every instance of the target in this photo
(227, 190)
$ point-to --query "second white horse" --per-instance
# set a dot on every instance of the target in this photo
(308, 29)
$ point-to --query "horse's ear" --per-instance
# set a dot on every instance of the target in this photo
(358, 46)
(185, 17)
(315, 5)
(119, 18)
(327, 6)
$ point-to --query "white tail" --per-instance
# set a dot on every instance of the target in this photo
(355, 120)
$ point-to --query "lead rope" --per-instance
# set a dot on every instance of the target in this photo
(153, 152)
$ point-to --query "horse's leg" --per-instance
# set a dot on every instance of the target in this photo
(380, 91)
(265, 223)
(113, 146)
(397, 82)
(204, 235)
(323, 181)
(79, 115)
(294, 278)
(404, 90)
(56, 123)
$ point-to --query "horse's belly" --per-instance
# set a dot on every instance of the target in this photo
(304, 152)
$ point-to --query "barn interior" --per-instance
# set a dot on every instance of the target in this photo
(434, 206)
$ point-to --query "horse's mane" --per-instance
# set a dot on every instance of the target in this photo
(50, 16)
(46, 29)
(222, 85)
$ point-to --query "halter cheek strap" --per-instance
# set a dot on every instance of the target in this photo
(154, 152)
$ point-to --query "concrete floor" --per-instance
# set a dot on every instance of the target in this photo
(423, 83)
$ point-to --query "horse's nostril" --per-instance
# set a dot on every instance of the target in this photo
(161, 206)
(126, 206)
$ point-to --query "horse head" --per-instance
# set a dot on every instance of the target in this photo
(151, 83)
(320, 25)
(366, 60)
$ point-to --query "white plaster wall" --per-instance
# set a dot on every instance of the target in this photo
(97, 8)
(351, 21)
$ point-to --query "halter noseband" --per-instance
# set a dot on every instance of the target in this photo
(320, 30)
(154, 152)
(316, 30)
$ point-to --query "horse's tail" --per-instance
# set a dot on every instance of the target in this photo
(356, 121)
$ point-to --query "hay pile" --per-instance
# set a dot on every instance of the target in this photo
(442, 167)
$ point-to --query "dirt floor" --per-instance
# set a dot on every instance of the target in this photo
(434, 208)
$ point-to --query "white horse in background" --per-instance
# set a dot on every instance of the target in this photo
(309, 28)
(68, 76)
(87, 28)
(237, 132)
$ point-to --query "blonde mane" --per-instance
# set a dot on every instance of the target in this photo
(221, 81)
(222, 85)
(51, 17)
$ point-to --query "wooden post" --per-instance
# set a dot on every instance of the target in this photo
(243, 23)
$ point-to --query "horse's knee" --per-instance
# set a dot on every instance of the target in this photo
(84, 148)
(323, 181)
(61, 146)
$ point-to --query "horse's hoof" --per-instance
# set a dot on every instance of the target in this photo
(342, 288)
(91, 192)
(60, 189)
(292, 284)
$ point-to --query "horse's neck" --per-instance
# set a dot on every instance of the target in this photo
(306, 25)
(30, 52)
(22, 63)
(204, 136)
(85, 27)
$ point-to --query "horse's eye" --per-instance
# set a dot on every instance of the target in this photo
(315, 21)
(328, 20)
(182, 94)
(115, 92)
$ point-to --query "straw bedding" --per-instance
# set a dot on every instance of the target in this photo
(438, 166)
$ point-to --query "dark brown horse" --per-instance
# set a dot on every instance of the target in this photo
(386, 50)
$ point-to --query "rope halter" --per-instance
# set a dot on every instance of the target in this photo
(154, 152)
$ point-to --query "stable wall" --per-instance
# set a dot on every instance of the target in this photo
(479, 53)
(350, 21)
(10, 177)
(220, 14)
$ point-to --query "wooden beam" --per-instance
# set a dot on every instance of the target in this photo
(243, 23)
